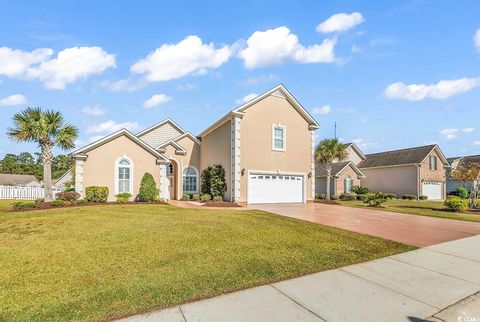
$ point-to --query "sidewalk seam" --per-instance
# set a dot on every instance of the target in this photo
(445, 253)
(183, 315)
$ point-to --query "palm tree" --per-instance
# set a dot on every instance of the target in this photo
(326, 152)
(48, 130)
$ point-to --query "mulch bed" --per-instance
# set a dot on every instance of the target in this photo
(212, 203)
(48, 205)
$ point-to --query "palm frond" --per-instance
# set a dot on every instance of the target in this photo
(65, 137)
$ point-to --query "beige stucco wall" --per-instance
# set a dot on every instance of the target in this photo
(439, 175)
(99, 168)
(256, 141)
(398, 180)
(216, 149)
(348, 171)
(192, 158)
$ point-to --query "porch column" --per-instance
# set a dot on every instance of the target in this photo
(163, 182)
(235, 164)
(312, 164)
(79, 177)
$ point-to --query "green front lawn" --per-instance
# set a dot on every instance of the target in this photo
(100, 262)
(417, 207)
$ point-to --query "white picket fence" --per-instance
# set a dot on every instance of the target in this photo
(24, 193)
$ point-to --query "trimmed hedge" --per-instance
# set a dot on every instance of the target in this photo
(148, 189)
(423, 197)
(409, 197)
(196, 197)
(347, 196)
(186, 196)
(375, 199)
(96, 194)
(206, 197)
(123, 197)
(455, 203)
(218, 198)
(70, 196)
(18, 205)
(58, 203)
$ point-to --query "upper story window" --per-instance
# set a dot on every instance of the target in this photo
(279, 137)
(124, 176)
(433, 162)
(190, 180)
(347, 186)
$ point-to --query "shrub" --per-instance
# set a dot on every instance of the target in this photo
(19, 205)
(39, 201)
(213, 180)
(82, 202)
(389, 195)
(206, 197)
(58, 203)
(96, 194)
(462, 192)
(320, 196)
(423, 197)
(218, 198)
(196, 197)
(334, 198)
(374, 199)
(347, 196)
(123, 197)
(409, 197)
(186, 196)
(360, 197)
(68, 196)
(69, 189)
(359, 190)
(455, 203)
(148, 189)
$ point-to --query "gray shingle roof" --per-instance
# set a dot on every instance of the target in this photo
(16, 179)
(466, 159)
(337, 167)
(396, 157)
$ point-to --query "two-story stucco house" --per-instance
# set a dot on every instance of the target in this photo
(266, 147)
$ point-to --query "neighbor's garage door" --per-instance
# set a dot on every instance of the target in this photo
(433, 190)
(267, 188)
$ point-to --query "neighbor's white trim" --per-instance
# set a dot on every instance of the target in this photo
(155, 126)
(284, 128)
(116, 164)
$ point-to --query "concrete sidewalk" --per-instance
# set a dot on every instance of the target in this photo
(407, 287)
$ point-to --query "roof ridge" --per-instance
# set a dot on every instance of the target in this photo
(413, 148)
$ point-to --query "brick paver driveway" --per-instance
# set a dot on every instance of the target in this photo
(409, 229)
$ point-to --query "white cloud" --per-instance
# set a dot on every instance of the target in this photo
(361, 143)
(93, 110)
(322, 110)
(12, 100)
(340, 22)
(355, 49)
(70, 65)
(189, 56)
(441, 90)
(122, 85)
(187, 87)
(112, 126)
(246, 98)
(449, 134)
(468, 130)
(476, 40)
(15, 62)
(476, 142)
(156, 100)
(274, 46)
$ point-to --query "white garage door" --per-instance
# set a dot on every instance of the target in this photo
(433, 190)
(267, 188)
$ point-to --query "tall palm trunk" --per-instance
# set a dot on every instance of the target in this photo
(328, 168)
(47, 157)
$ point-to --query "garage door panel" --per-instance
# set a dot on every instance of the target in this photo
(433, 190)
(264, 188)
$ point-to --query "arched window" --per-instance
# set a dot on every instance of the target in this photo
(190, 180)
(347, 184)
(170, 169)
(124, 174)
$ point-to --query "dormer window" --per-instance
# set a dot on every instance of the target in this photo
(279, 135)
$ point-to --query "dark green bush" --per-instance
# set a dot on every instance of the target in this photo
(374, 199)
(423, 198)
(206, 197)
(359, 190)
(123, 197)
(148, 189)
(462, 192)
(455, 203)
(213, 180)
(96, 194)
(409, 197)
(186, 196)
(70, 196)
(58, 203)
(218, 198)
(389, 195)
(19, 205)
(360, 197)
(347, 196)
(82, 202)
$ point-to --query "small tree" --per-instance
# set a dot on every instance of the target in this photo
(205, 179)
(148, 189)
(326, 152)
(469, 173)
(213, 180)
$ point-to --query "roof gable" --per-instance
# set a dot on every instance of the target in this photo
(338, 168)
(178, 148)
(161, 132)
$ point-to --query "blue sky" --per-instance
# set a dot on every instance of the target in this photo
(392, 74)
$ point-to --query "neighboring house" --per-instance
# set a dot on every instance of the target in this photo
(344, 175)
(452, 185)
(64, 181)
(417, 171)
(19, 180)
(266, 147)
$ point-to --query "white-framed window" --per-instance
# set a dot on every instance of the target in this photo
(190, 180)
(123, 175)
(433, 162)
(170, 169)
(347, 186)
(279, 137)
